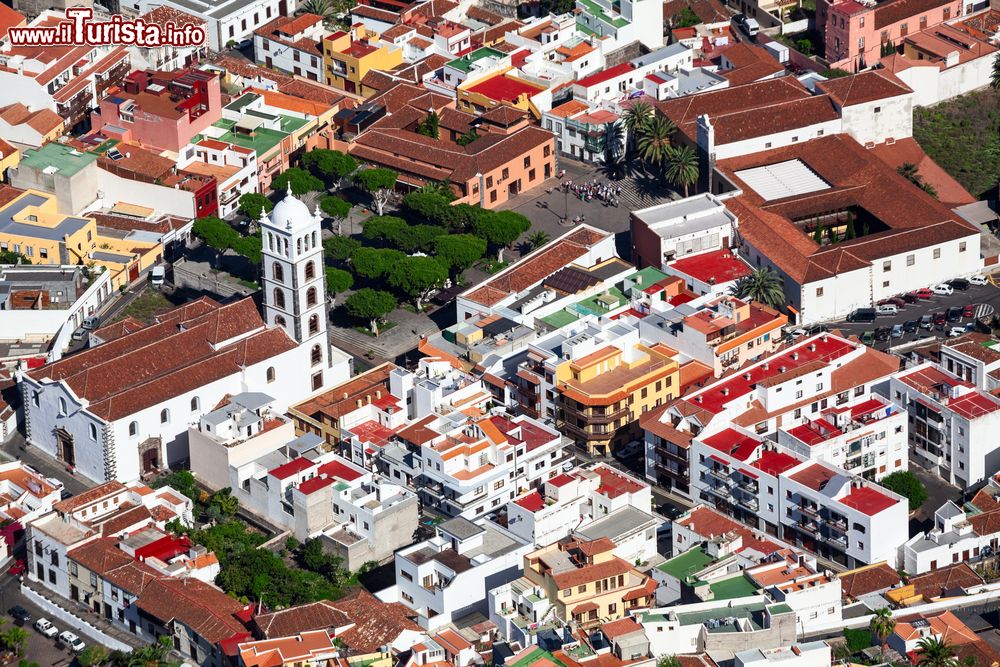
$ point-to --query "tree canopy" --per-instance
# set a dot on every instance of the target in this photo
(329, 163)
(302, 181)
(377, 182)
(908, 485)
(374, 262)
(251, 204)
(338, 280)
(501, 228)
(340, 248)
(431, 206)
(334, 207)
(416, 276)
(459, 251)
(764, 285)
(371, 305)
(11, 257)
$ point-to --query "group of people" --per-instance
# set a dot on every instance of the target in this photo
(595, 189)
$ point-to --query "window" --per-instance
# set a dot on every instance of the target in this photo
(93, 431)
(937, 253)
(277, 272)
(505, 174)
(819, 291)
(310, 297)
(961, 246)
(270, 374)
(195, 404)
(54, 558)
(164, 416)
(74, 568)
(279, 321)
(527, 161)
(133, 429)
(62, 405)
(313, 324)
(317, 355)
(93, 579)
(546, 151)
(34, 399)
(911, 260)
(279, 298)
(489, 181)
(886, 266)
(310, 270)
(861, 22)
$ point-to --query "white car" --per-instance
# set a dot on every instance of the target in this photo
(955, 332)
(71, 641)
(46, 628)
(943, 290)
(978, 279)
(886, 309)
(797, 333)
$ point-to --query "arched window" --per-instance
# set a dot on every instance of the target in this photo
(313, 324)
(270, 374)
(298, 245)
(310, 270)
(314, 239)
(164, 416)
(195, 404)
(279, 298)
(317, 355)
(62, 405)
(279, 321)
(277, 272)
(133, 429)
(270, 241)
(310, 297)
(93, 431)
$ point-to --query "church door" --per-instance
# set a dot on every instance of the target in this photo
(64, 443)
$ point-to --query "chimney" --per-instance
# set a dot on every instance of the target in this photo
(795, 356)
(378, 394)
(812, 347)
(725, 391)
(359, 403)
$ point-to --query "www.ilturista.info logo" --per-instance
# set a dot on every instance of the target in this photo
(78, 29)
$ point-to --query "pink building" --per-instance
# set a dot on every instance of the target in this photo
(855, 33)
(162, 110)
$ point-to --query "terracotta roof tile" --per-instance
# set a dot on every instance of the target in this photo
(868, 579)
(864, 87)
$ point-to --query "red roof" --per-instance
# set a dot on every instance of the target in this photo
(604, 75)
(531, 502)
(165, 548)
(732, 442)
(504, 88)
(814, 432)
(338, 470)
(716, 267)
(866, 408)
(868, 501)
(293, 467)
(774, 463)
(973, 404)
(560, 480)
(614, 484)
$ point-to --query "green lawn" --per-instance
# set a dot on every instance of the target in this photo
(963, 136)
(147, 304)
(686, 564)
(734, 587)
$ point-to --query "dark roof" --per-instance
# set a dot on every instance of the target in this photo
(898, 10)
(866, 580)
(936, 583)
(571, 280)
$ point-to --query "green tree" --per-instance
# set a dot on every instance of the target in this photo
(382, 227)
(225, 502)
(636, 119)
(93, 656)
(429, 126)
(340, 248)
(416, 238)
(371, 305)
(804, 46)
(216, 234)
(835, 73)
(501, 228)
(995, 73)
(467, 138)
(459, 251)
(908, 485)
(431, 206)
(325, 8)
(338, 281)
(537, 240)
(936, 652)
(15, 639)
(818, 234)
(887, 49)
(181, 481)
(685, 18)
(668, 661)
(851, 231)
(251, 204)
(11, 257)
(442, 188)
(882, 625)
(378, 183)
(374, 263)
(330, 164)
(681, 167)
(302, 181)
(250, 247)
(336, 208)
(763, 285)
(417, 276)
(654, 140)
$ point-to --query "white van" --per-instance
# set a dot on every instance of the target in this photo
(157, 275)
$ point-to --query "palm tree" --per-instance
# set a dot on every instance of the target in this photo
(654, 139)
(682, 167)
(536, 240)
(995, 74)
(936, 652)
(636, 117)
(668, 661)
(763, 285)
(15, 640)
(909, 171)
(324, 8)
(226, 502)
(882, 625)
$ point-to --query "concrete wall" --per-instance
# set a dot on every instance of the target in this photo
(172, 201)
(59, 614)
(874, 122)
(73, 194)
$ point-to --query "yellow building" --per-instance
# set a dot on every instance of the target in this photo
(10, 157)
(503, 89)
(348, 56)
(601, 396)
(31, 224)
(587, 583)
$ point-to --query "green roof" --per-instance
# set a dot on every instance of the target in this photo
(648, 276)
(560, 318)
(464, 63)
(685, 565)
(600, 13)
(585, 29)
(261, 142)
(597, 305)
(535, 656)
(734, 587)
(224, 123)
(242, 101)
(780, 608)
(67, 161)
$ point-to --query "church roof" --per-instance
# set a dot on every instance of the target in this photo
(290, 213)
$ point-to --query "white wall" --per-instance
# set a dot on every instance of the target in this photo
(172, 201)
(777, 140)
(874, 122)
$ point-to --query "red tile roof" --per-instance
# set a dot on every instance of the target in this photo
(600, 77)
(864, 87)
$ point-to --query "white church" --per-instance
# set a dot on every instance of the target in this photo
(121, 409)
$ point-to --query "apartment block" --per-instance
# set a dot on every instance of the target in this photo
(348, 56)
(292, 45)
(233, 168)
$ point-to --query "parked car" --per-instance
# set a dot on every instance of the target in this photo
(882, 333)
(955, 332)
(887, 309)
(954, 314)
(899, 302)
(20, 614)
(748, 25)
(969, 311)
(862, 315)
(157, 275)
(978, 279)
(910, 297)
(71, 641)
(868, 337)
(629, 450)
(923, 293)
(940, 319)
(897, 331)
(959, 284)
(17, 568)
(970, 327)
(80, 334)
(797, 333)
(818, 329)
(91, 322)
(942, 289)
(46, 628)
(911, 326)
(926, 321)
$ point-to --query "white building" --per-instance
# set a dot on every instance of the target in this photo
(688, 227)
(448, 576)
(625, 22)
(795, 579)
(952, 422)
(292, 44)
(808, 654)
(230, 20)
(233, 167)
(95, 413)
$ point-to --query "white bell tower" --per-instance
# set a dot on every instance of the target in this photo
(294, 279)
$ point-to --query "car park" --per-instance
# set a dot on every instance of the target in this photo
(882, 333)
(978, 279)
(862, 315)
(954, 332)
(71, 641)
(959, 284)
(886, 309)
(868, 337)
(45, 628)
(923, 293)
(954, 314)
(911, 326)
(926, 321)
(942, 289)
(897, 331)
(969, 311)
(899, 302)
(20, 614)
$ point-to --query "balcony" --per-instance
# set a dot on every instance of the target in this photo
(675, 455)
(720, 491)
(719, 473)
(806, 526)
(749, 503)
(809, 510)
(670, 472)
